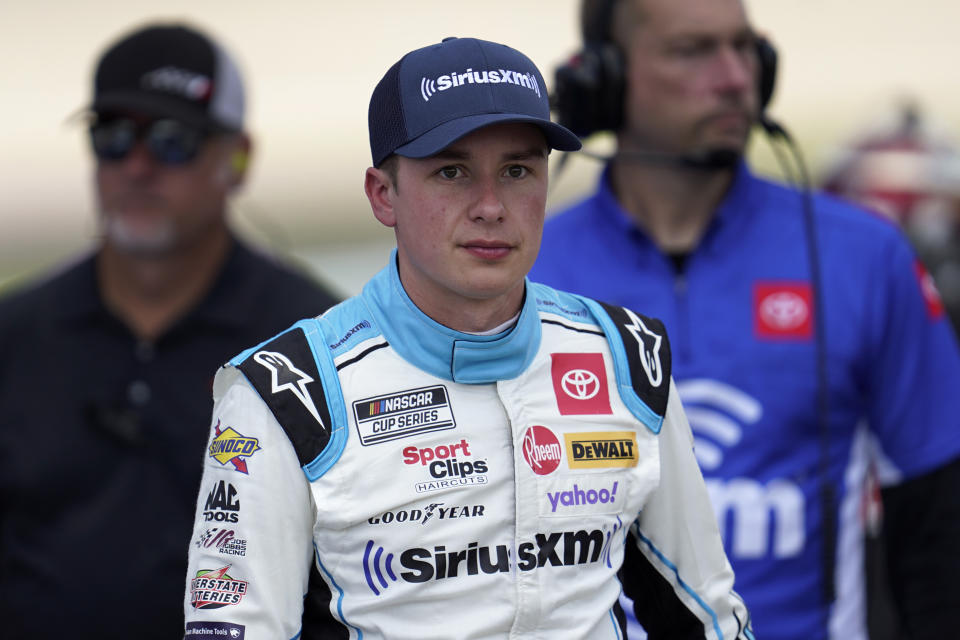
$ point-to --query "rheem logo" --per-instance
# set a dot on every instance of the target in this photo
(541, 450)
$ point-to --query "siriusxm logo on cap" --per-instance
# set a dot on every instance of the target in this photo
(482, 83)
(428, 86)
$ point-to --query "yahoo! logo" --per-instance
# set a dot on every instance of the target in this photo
(577, 497)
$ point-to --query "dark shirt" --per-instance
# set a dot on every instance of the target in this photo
(96, 425)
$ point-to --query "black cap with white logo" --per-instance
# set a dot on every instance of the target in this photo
(171, 71)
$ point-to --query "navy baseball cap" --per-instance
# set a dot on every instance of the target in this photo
(434, 96)
(173, 71)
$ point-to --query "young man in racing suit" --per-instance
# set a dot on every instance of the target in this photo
(457, 452)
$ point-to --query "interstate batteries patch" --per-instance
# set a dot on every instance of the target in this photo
(402, 414)
(214, 588)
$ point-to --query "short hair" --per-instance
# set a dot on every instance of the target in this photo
(606, 20)
(389, 166)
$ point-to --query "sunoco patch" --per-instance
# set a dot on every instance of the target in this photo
(407, 413)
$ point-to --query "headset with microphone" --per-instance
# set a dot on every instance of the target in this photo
(589, 91)
(589, 94)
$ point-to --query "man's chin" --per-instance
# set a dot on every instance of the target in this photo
(731, 136)
(139, 239)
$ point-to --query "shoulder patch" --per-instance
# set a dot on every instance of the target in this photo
(284, 373)
(648, 355)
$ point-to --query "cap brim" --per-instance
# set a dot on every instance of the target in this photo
(157, 106)
(442, 136)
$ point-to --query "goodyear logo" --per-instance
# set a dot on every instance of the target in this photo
(601, 449)
(232, 447)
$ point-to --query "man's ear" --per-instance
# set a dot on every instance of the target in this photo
(379, 189)
(233, 172)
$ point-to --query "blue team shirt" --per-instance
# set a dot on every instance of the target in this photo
(744, 356)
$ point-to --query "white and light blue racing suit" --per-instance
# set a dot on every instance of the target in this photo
(373, 474)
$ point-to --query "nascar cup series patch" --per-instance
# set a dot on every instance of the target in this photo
(404, 413)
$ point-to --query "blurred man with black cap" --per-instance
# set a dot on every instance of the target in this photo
(105, 366)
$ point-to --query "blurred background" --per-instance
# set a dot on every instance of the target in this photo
(846, 69)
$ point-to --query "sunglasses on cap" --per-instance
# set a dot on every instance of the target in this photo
(170, 142)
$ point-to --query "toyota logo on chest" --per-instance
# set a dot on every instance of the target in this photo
(580, 384)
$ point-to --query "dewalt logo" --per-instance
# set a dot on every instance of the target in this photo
(601, 449)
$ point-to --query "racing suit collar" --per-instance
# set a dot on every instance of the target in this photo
(445, 352)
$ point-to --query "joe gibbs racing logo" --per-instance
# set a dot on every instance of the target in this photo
(541, 450)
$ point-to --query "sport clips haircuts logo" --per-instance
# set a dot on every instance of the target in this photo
(430, 86)
(445, 468)
(561, 549)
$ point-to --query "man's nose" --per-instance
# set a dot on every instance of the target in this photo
(139, 162)
(489, 204)
(734, 69)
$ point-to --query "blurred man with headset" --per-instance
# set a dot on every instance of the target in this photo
(106, 366)
(808, 340)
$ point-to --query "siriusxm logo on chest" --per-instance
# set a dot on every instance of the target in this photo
(402, 414)
(454, 79)
(546, 550)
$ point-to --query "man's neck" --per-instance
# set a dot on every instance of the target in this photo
(477, 318)
(673, 205)
(151, 292)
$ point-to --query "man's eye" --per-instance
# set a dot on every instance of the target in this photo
(692, 49)
(516, 171)
(450, 172)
